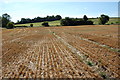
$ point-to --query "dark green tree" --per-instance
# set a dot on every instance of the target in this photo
(85, 18)
(39, 19)
(31, 25)
(58, 17)
(103, 19)
(23, 20)
(5, 19)
(45, 24)
(74, 21)
(67, 21)
(10, 25)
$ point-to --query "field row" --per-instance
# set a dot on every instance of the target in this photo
(39, 53)
(46, 58)
(106, 59)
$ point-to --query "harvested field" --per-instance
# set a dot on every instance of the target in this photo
(61, 52)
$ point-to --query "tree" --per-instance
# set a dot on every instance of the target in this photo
(75, 21)
(58, 17)
(10, 25)
(39, 19)
(5, 19)
(103, 19)
(23, 20)
(31, 25)
(85, 18)
(28, 20)
(67, 21)
(45, 24)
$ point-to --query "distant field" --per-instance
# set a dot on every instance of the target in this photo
(57, 23)
(112, 20)
(37, 24)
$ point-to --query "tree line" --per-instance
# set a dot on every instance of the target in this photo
(75, 21)
(39, 19)
(7, 23)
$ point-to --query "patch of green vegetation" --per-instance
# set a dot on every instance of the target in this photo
(90, 63)
(118, 50)
(103, 75)
(39, 24)
(115, 50)
(45, 23)
(54, 23)
(112, 23)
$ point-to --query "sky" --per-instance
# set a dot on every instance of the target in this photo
(30, 9)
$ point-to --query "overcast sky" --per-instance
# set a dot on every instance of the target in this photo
(18, 9)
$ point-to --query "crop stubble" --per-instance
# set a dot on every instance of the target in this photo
(38, 53)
